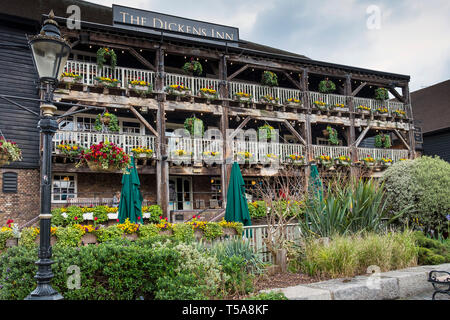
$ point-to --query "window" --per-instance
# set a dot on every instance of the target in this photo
(67, 124)
(85, 124)
(64, 188)
(9, 182)
(131, 128)
(216, 189)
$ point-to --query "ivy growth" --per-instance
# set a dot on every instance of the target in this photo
(333, 136)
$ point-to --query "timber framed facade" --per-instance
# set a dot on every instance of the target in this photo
(150, 121)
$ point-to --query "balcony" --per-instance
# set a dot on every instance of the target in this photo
(88, 72)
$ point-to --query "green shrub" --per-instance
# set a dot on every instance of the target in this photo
(347, 256)
(432, 252)
(5, 235)
(68, 237)
(118, 270)
(425, 183)
(101, 213)
(155, 213)
(28, 237)
(148, 230)
(183, 232)
(257, 209)
(212, 231)
(109, 234)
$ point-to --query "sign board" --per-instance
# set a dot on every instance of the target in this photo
(418, 136)
(157, 23)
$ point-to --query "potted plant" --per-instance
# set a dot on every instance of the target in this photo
(193, 68)
(383, 141)
(266, 132)
(381, 94)
(382, 111)
(107, 82)
(331, 134)
(194, 126)
(9, 152)
(324, 160)
(105, 157)
(104, 53)
(178, 90)
(243, 97)
(292, 102)
(369, 161)
(399, 113)
(89, 234)
(70, 78)
(327, 86)
(106, 120)
(364, 109)
(231, 228)
(269, 99)
(343, 160)
(322, 106)
(269, 79)
(71, 150)
(140, 87)
(337, 106)
(130, 230)
(208, 93)
(141, 152)
(296, 159)
(385, 162)
(164, 227)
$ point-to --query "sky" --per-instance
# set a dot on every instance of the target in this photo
(409, 37)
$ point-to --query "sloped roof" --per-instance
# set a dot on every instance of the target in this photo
(431, 106)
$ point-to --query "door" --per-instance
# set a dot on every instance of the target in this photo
(180, 193)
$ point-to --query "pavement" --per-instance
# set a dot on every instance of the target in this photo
(405, 284)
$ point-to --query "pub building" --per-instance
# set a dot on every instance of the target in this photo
(150, 80)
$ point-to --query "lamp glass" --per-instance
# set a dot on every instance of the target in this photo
(50, 57)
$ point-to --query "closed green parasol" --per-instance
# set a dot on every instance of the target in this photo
(315, 185)
(237, 207)
(131, 198)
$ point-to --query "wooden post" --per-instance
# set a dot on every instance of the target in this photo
(411, 138)
(162, 166)
(307, 130)
(351, 130)
(224, 124)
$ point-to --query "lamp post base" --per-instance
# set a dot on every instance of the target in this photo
(54, 297)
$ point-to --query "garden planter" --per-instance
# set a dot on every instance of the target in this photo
(106, 84)
(180, 93)
(229, 232)
(88, 238)
(131, 237)
(166, 233)
(293, 105)
(14, 242)
(139, 88)
(208, 96)
(98, 168)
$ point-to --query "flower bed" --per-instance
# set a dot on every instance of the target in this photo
(105, 157)
(9, 152)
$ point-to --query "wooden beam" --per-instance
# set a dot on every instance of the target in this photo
(141, 59)
(294, 132)
(399, 135)
(357, 90)
(238, 72)
(361, 136)
(295, 83)
(75, 108)
(243, 123)
(144, 122)
(396, 94)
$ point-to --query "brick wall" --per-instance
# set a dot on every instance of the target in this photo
(24, 205)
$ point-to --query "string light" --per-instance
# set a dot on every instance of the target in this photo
(140, 50)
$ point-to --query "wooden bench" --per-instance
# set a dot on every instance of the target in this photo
(440, 281)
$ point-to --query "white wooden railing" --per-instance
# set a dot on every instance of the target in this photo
(331, 151)
(377, 154)
(86, 139)
(88, 71)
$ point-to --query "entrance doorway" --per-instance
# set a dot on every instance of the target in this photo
(180, 193)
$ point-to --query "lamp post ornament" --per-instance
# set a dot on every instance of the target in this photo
(50, 53)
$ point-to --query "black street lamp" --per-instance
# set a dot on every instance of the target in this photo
(50, 53)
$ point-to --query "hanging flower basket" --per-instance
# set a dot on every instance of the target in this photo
(399, 114)
(337, 106)
(331, 134)
(382, 111)
(324, 160)
(71, 150)
(107, 120)
(9, 152)
(322, 106)
(269, 79)
(385, 162)
(381, 94)
(105, 157)
(178, 90)
(103, 54)
(383, 141)
(327, 86)
(208, 93)
(142, 152)
(364, 109)
(70, 78)
(194, 126)
(369, 161)
(193, 68)
(266, 132)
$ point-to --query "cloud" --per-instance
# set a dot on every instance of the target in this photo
(413, 38)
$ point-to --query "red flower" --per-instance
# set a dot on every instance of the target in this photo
(76, 218)
(118, 220)
(194, 217)
(139, 218)
(95, 219)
